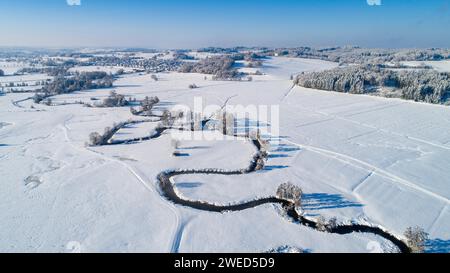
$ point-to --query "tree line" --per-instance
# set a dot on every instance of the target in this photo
(221, 67)
(78, 82)
(357, 55)
(419, 85)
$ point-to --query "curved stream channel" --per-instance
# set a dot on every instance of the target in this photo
(168, 191)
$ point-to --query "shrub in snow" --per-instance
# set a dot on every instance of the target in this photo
(114, 100)
(260, 163)
(321, 224)
(148, 103)
(167, 119)
(146, 108)
(291, 193)
(332, 223)
(286, 250)
(193, 86)
(38, 98)
(155, 78)
(95, 139)
(252, 64)
(416, 239)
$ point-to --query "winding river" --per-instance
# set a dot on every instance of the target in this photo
(169, 192)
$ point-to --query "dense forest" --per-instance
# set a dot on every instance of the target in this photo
(357, 55)
(418, 85)
(222, 67)
(78, 82)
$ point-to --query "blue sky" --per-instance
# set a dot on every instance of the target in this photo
(198, 23)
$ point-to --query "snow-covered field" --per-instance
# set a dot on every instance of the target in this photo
(11, 67)
(441, 66)
(359, 158)
(107, 69)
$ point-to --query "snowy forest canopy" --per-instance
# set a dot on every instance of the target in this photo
(418, 85)
(357, 55)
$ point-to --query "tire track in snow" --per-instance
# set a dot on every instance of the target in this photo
(364, 180)
(423, 141)
(171, 207)
(366, 166)
(441, 213)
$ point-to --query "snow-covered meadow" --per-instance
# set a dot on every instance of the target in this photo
(361, 159)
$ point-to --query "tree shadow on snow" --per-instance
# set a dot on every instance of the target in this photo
(438, 246)
(278, 156)
(321, 201)
(284, 148)
(275, 167)
(195, 148)
(189, 185)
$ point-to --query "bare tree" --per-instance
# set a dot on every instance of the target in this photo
(332, 223)
(321, 224)
(260, 163)
(416, 238)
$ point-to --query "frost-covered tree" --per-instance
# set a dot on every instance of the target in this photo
(95, 139)
(416, 238)
(81, 81)
(148, 103)
(290, 192)
(167, 119)
(146, 106)
(114, 100)
(321, 224)
(356, 55)
(260, 164)
(332, 223)
(419, 85)
(221, 67)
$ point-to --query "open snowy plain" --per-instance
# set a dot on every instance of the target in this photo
(383, 162)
